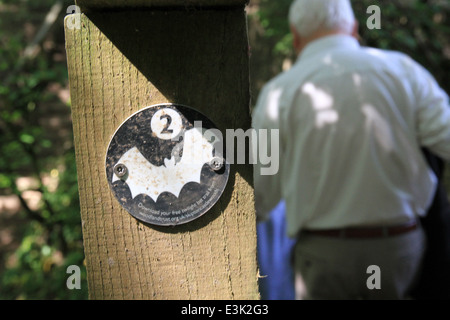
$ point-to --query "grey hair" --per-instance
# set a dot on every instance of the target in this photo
(308, 16)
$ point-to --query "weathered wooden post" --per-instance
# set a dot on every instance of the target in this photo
(122, 57)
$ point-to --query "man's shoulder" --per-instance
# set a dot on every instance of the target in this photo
(286, 83)
(390, 57)
(281, 79)
(274, 97)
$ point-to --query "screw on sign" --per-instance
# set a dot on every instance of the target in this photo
(120, 170)
(163, 168)
(216, 163)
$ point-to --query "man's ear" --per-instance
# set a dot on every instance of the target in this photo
(296, 40)
(355, 31)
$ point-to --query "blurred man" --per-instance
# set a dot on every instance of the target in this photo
(352, 122)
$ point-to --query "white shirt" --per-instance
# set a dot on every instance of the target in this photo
(352, 122)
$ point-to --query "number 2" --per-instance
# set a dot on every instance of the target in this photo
(166, 128)
(166, 123)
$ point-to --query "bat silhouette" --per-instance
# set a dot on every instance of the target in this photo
(145, 178)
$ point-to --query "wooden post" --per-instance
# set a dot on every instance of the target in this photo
(127, 55)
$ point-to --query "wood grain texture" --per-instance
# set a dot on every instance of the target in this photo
(119, 63)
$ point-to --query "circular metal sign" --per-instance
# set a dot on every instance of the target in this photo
(165, 164)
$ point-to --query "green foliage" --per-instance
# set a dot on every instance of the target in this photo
(273, 18)
(50, 237)
(420, 28)
(36, 275)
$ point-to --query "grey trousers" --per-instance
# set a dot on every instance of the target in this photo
(328, 268)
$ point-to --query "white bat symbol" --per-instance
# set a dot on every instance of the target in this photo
(145, 178)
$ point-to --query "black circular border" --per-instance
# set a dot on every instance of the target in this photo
(194, 199)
